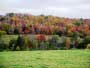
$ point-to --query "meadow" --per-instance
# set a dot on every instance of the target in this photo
(45, 59)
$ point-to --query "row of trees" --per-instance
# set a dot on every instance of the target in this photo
(44, 42)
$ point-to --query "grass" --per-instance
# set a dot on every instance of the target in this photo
(45, 59)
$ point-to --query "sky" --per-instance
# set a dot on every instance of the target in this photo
(61, 8)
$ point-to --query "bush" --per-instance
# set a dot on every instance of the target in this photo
(2, 33)
(17, 44)
(53, 42)
(12, 44)
(83, 44)
(2, 45)
(88, 46)
(27, 44)
(87, 40)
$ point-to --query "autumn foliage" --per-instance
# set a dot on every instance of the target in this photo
(41, 37)
(49, 25)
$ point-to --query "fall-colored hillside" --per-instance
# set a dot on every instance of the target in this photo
(13, 23)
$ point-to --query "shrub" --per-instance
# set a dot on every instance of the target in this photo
(2, 33)
(16, 31)
(85, 41)
(68, 42)
(12, 43)
(41, 37)
(53, 42)
(2, 45)
(88, 46)
(19, 42)
(28, 45)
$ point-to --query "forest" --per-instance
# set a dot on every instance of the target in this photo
(50, 32)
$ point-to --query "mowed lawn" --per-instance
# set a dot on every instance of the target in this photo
(45, 59)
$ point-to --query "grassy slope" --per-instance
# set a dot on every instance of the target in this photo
(45, 59)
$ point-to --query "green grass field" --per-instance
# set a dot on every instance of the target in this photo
(45, 59)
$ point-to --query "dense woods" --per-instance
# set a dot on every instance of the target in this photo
(13, 23)
(63, 33)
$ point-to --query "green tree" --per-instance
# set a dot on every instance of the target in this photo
(6, 27)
